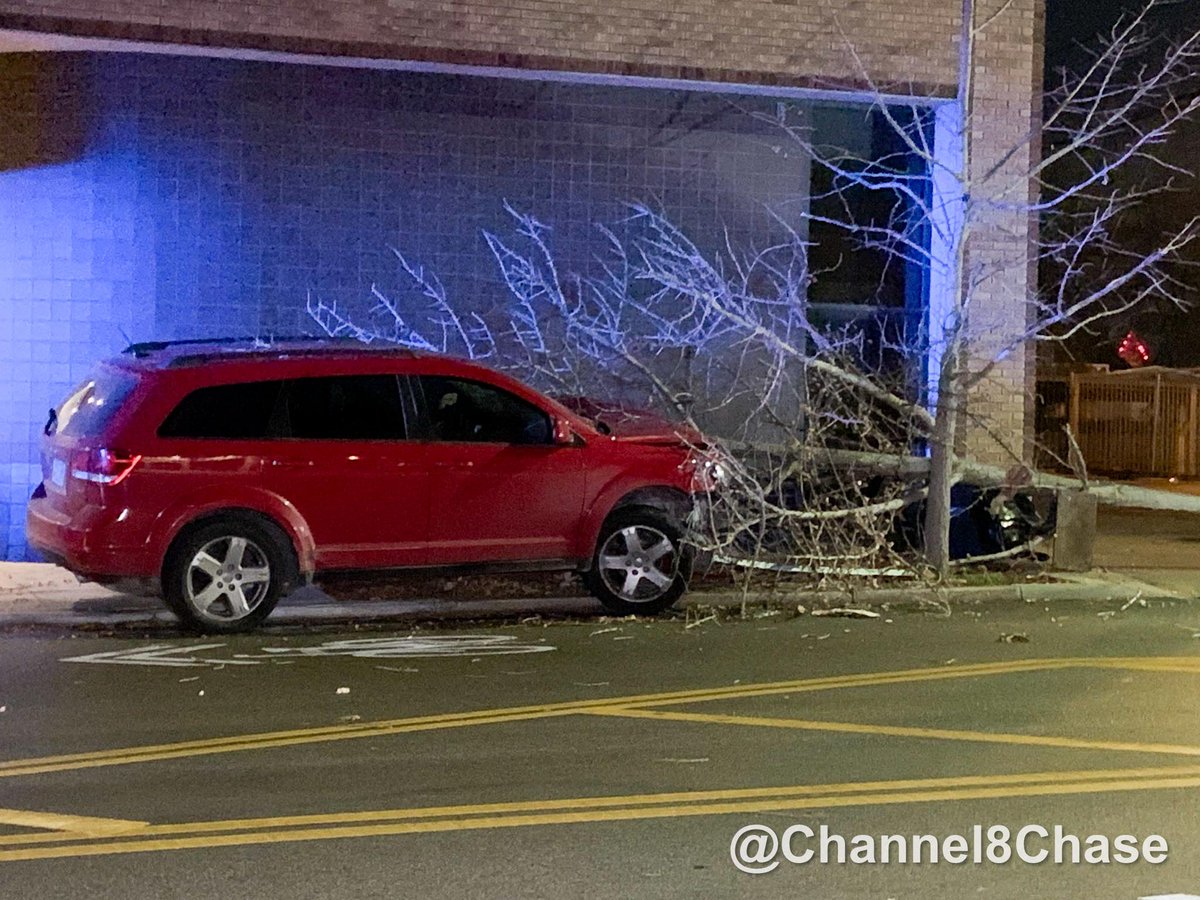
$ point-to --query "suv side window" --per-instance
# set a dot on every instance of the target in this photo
(346, 407)
(460, 410)
(232, 411)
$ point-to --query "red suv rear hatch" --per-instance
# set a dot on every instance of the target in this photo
(77, 460)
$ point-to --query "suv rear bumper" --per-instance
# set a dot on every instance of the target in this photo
(79, 544)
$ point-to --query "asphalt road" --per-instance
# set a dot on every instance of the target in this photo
(599, 758)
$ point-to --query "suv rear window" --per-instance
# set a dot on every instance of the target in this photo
(340, 407)
(233, 411)
(92, 405)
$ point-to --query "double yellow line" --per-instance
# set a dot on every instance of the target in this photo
(87, 836)
(272, 739)
(425, 820)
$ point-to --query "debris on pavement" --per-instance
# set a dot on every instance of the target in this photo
(1017, 637)
(342, 690)
(849, 612)
(1137, 598)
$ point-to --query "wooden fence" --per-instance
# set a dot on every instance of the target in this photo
(1137, 423)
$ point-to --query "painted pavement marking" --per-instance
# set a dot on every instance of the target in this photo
(266, 740)
(378, 823)
(941, 734)
(82, 826)
(175, 750)
(407, 647)
(89, 836)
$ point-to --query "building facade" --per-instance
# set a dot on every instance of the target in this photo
(204, 167)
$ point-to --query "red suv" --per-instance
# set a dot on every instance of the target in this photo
(223, 474)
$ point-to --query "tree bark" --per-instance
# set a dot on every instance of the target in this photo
(936, 527)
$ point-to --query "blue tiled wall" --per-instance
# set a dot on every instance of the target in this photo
(152, 197)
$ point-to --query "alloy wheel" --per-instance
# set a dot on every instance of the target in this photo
(638, 563)
(227, 579)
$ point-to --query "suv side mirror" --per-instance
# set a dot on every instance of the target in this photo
(564, 434)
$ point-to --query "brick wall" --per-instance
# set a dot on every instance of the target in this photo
(1008, 77)
(910, 45)
(112, 170)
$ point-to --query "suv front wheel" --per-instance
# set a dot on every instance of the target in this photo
(227, 575)
(641, 565)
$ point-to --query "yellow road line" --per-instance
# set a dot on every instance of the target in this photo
(872, 679)
(1183, 665)
(676, 797)
(942, 734)
(204, 748)
(82, 826)
(265, 740)
(489, 817)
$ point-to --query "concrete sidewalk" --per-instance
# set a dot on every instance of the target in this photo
(42, 595)
(1139, 555)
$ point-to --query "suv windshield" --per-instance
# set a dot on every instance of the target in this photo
(92, 405)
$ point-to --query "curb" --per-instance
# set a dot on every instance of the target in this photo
(1030, 593)
(98, 611)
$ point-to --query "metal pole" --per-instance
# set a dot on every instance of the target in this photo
(1155, 441)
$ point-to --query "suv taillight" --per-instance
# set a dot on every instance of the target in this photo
(102, 465)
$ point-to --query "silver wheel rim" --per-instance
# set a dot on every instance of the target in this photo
(638, 563)
(227, 579)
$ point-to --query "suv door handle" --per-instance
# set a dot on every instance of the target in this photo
(290, 464)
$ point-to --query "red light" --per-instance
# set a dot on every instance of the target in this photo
(102, 465)
(1133, 350)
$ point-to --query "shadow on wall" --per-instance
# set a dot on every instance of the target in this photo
(41, 111)
(42, 128)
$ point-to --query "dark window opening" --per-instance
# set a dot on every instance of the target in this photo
(346, 407)
(459, 410)
(848, 266)
(231, 411)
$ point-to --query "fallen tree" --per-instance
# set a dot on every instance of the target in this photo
(720, 339)
(1107, 493)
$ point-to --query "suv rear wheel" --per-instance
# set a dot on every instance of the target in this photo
(227, 575)
(641, 565)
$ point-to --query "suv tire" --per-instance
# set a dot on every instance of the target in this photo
(641, 564)
(226, 575)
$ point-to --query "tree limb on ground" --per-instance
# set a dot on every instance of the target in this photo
(981, 475)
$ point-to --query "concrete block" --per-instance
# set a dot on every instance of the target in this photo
(1075, 535)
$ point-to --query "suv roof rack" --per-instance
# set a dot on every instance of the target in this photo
(316, 350)
(144, 349)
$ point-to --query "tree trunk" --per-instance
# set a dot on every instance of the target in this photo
(936, 526)
(1106, 493)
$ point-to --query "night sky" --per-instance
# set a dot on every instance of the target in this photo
(1172, 335)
